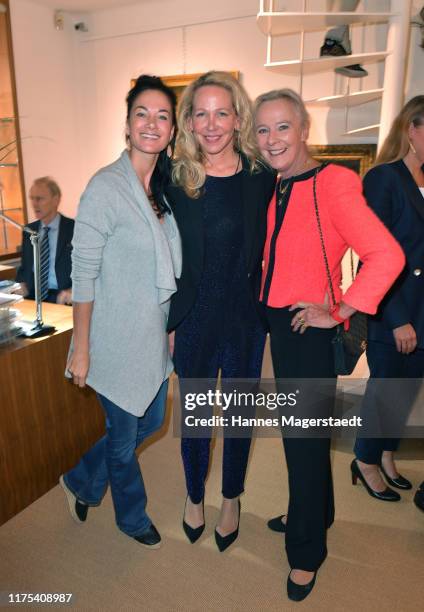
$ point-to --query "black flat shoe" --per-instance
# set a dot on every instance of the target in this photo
(149, 538)
(386, 495)
(223, 542)
(77, 509)
(298, 592)
(400, 482)
(419, 497)
(193, 533)
(276, 524)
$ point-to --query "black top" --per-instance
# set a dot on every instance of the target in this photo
(283, 190)
(222, 329)
(256, 191)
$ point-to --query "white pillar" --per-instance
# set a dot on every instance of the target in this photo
(396, 65)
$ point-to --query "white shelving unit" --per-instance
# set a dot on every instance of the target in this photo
(368, 130)
(347, 99)
(273, 23)
(321, 64)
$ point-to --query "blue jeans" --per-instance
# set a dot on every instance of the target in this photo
(113, 460)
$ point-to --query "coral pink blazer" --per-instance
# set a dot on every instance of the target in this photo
(347, 221)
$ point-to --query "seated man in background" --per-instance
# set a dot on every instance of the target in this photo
(55, 246)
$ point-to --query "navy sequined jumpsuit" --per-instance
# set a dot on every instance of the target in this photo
(222, 331)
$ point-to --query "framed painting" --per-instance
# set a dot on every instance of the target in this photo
(178, 82)
(357, 157)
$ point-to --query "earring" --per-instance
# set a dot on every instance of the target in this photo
(411, 146)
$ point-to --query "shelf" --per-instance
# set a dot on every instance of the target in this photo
(321, 64)
(342, 100)
(289, 23)
(8, 165)
(368, 130)
(7, 119)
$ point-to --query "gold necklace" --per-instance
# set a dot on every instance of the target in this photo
(282, 192)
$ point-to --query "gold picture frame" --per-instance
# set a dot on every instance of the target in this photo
(357, 157)
(178, 82)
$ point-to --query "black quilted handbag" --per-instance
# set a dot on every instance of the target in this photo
(348, 345)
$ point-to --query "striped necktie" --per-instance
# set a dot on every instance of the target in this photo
(44, 264)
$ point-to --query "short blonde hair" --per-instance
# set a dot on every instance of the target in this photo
(188, 169)
(285, 94)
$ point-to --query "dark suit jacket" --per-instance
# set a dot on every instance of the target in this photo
(257, 190)
(394, 196)
(63, 264)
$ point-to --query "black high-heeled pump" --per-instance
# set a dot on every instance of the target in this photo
(298, 592)
(386, 495)
(194, 533)
(223, 542)
(400, 482)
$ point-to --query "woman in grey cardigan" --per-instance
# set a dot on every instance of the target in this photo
(126, 256)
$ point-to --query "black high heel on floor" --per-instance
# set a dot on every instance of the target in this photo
(223, 542)
(298, 592)
(399, 482)
(194, 533)
(386, 495)
(276, 524)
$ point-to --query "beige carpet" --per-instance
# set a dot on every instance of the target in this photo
(376, 550)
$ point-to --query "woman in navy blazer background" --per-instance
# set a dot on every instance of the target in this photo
(394, 189)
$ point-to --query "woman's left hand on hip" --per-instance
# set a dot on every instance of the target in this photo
(311, 315)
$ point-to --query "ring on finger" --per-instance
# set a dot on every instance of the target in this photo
(301, 320)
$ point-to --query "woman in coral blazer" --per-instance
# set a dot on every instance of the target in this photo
(295, 279)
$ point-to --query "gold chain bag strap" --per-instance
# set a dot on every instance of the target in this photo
(348, 345)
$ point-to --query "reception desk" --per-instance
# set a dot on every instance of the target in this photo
(7, 272)
(46, 423)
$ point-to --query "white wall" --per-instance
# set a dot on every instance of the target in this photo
(46, 83)
(415, 75)
(149, 38)
(72, 86)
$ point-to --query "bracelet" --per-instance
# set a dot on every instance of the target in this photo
(335, 314)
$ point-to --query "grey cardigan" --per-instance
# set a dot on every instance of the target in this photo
(125, 261)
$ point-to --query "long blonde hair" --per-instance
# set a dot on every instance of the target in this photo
(188, 168)
(397, 144)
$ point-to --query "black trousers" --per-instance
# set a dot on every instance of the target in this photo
(311, 503)
(385, 361)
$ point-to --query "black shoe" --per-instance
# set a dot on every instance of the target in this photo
(194, 533)
(149, 538)
(386, 495)
(400, 482)
(223, 542)
(333, 48)
(276, 524)
(298, 592)
(419, 497)
(354, 71)
(77, 509)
